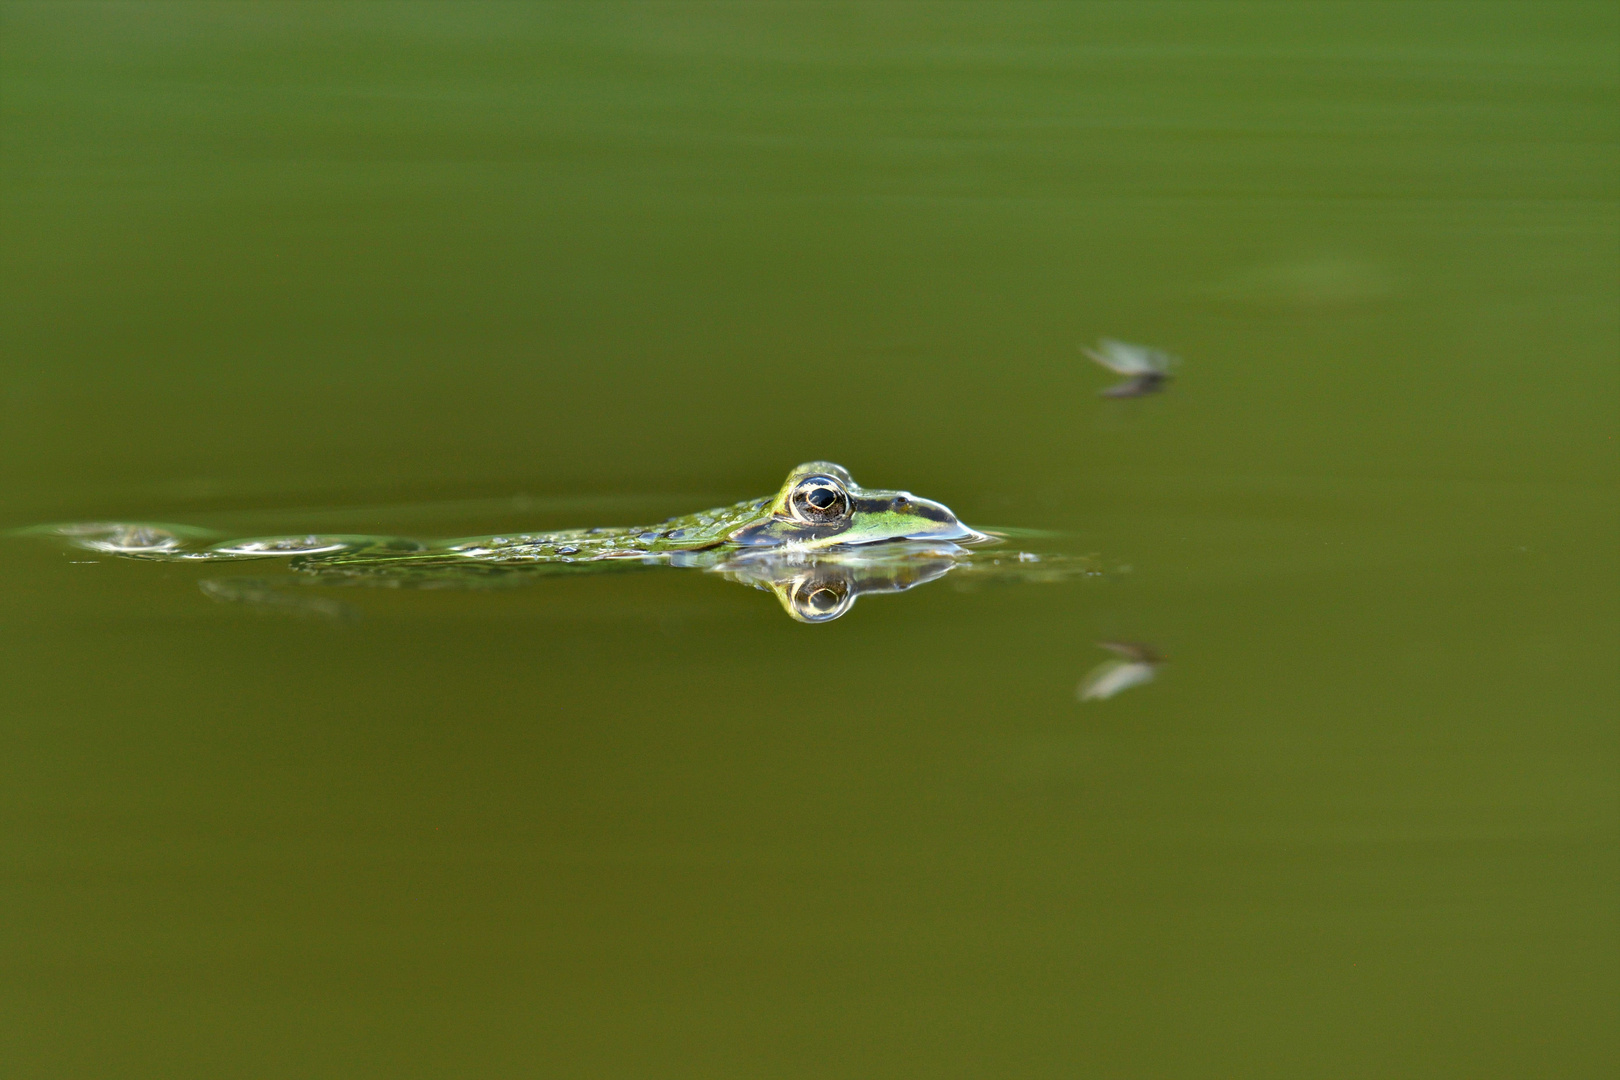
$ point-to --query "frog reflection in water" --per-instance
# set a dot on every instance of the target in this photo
(818, 544)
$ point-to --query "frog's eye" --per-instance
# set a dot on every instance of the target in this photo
(819, 500)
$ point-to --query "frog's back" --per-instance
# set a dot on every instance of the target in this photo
(689, 532)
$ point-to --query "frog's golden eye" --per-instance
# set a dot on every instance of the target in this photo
(819, 500)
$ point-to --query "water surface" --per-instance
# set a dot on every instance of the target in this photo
(447, 270)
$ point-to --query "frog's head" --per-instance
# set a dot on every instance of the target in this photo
(820, 506)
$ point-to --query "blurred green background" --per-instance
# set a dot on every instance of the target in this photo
(447, 268)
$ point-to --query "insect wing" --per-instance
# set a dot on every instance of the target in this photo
(1125, 358)
(1113, 677)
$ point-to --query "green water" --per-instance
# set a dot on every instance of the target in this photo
(449, 269)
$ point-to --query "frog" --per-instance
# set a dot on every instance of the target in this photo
(819, 507)
(818, 543)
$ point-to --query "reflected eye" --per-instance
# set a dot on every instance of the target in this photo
(822, 600)
(813, 600)
(819, 500)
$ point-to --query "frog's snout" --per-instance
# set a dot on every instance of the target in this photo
(934, 521)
